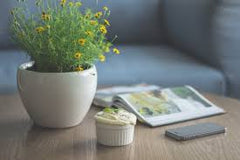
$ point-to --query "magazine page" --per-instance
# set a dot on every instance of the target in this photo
(120, 103)
(160, 107)
(104, 96)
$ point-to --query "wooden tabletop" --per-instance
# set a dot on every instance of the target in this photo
(21, 140)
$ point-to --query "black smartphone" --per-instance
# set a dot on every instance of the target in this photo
(195, 131)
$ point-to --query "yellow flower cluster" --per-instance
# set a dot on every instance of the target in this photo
(45, 16)
(78, 4)
(71, 4)
(63, 2)
(115, 50)
(87, 16)
(79, 68)
(98, 15)
(102, 58)
(89, 33)
(105, 8)
(40, 29)
(84, 38)
(94, 23)
(48, 26)
(106, 49)
(82, 41)
(103, 29)
(78, 55)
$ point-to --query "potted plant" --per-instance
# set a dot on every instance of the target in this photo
(64, 42)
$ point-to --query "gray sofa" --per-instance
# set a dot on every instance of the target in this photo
(163, 42)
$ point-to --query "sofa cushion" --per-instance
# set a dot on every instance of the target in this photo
(9, 62)
(135, 21)
(159, 65)
(188, 25)
(4, 24)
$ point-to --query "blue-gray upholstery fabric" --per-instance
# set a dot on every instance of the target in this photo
(135, 21)
(226, 36)
(188, 26)
(4, 24)
(9, 62)
(159, 65)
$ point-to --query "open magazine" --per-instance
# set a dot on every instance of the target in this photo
(104, 97)
(156, 106)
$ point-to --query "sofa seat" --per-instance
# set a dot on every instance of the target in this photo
(159, 65)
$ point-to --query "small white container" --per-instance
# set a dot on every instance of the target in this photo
(114, 135)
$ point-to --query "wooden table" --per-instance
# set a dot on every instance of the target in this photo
(21, 140)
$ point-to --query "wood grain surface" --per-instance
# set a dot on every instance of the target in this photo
(20, 139)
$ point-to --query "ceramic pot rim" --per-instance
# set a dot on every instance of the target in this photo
(24, 66)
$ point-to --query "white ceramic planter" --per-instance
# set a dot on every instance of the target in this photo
(56, 100)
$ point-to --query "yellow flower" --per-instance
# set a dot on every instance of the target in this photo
(81, 41)
(102, 58)
(89, 33)
(70, 4)
(106, 49)
(103, 29)
(78, 4)
(48, 26)
(115, 50)
(106, 22)
(78, 55)
(45, 16)
(63, 2)
(105, 8)
(39, 29)
(98, 14)
(94, 23)
(87, 16)
(79, 69)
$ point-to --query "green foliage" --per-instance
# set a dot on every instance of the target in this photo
(60, 37)
(110, 110)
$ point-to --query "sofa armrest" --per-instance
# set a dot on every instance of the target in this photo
(226, 38)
